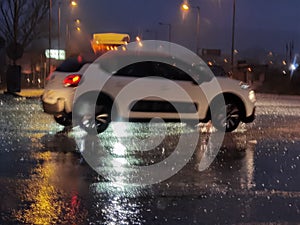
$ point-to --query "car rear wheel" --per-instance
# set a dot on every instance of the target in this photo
(64, 119)
(99, 121)
(228, 117)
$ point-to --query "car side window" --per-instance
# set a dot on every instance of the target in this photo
(170, 72)
(71, 65)
(139, 69)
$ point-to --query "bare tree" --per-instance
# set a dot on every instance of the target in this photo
(21, 22)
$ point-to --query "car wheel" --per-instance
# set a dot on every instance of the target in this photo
(228, 118)
(64, 119)
(99, 121)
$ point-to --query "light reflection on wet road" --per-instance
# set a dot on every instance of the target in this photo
(254, 179)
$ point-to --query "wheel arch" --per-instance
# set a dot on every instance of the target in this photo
(228, 96)
(91, 95)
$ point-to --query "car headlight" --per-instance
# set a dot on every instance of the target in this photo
(251, 96)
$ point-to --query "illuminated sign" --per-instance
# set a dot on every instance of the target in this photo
(55, 54)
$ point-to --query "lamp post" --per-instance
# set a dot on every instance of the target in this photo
(187, 7)
(232, 35)
(72, 4)
(169, 26)
(58, 26)
(49, 35)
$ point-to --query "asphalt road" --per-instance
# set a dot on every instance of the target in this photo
(46, 179)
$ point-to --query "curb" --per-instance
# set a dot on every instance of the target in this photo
(28, 94)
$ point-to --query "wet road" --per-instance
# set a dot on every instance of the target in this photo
(254, 179)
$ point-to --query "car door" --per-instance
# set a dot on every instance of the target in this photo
(132, 88)
(180, 89)
(149, 89)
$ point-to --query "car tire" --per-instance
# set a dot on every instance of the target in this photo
(99, 121)
(64, 119)
(229, 121)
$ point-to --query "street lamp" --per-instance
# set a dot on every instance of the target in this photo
(74, 3)
(187, 7)
(169, 26)
(77, 21)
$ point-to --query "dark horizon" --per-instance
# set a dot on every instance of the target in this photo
(265, 24)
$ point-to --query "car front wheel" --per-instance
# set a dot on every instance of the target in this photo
(228, 117)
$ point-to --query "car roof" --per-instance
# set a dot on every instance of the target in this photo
(71, 64)
(187, 61)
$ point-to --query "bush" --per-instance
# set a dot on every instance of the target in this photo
(278, 83)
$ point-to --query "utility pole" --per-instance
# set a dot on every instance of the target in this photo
(232, 35)
(50, 29)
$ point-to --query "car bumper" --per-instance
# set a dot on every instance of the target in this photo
(56, 101)
(55, 108)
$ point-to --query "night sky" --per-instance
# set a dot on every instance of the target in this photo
(260, 24)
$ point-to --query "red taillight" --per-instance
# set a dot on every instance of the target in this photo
(72, 80)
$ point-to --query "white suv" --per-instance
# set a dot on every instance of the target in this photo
(135, 85)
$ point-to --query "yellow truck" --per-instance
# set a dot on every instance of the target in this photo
(103, 42)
